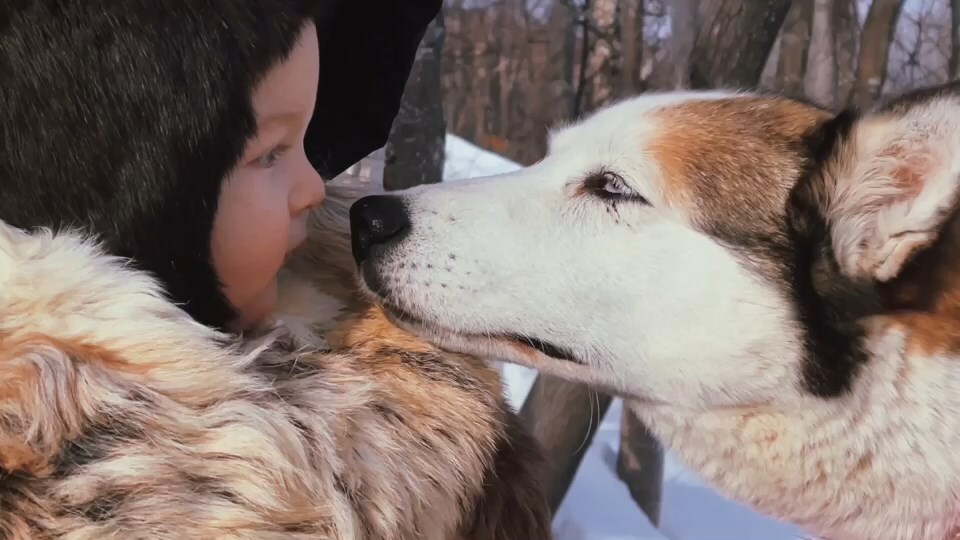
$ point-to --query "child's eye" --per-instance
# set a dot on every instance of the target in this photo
(269, 159)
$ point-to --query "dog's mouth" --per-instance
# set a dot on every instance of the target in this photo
(526, 343)
(544, 347)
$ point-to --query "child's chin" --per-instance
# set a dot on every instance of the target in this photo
(259, 309)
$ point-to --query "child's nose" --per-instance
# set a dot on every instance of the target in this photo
(308, 191)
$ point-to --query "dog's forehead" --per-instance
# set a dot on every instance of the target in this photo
(726, 160)
(628, 117)
(730, 150)
(705, 145)
(730, 162)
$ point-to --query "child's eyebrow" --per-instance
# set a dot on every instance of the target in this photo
(278, 118)
(269, 130)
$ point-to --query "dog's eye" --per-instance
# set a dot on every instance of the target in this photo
(614, 186)
(610, 186)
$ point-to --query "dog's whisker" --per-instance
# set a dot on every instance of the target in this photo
(593, 396)
(756, 304)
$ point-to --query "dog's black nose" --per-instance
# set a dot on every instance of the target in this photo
(376, 220)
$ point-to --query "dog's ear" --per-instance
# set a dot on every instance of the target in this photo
(886, 183)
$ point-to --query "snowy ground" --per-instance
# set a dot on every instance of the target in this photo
(598, 506)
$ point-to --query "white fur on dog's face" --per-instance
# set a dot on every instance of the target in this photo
(778, 284)
(652, 306)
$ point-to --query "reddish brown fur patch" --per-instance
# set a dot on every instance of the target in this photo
(15, 377)
(11, 348)
(911, 169)
(372, 335)
(925, 297)
(728, 156)
(370, 326)
(17, 456)
(864, 464)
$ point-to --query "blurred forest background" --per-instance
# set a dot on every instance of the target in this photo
(501, 73)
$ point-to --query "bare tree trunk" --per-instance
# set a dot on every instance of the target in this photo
(794, 47)
(732, 41)
(578, 99)
(954, 68)
(878, 31)
(821, 80)
(560, 60)
(683, 35)
(631, 13)
(414, 150)
(569, 51)
(551, 95)
(507, 66)
(564, 417)
(640, 465)
(846, 40)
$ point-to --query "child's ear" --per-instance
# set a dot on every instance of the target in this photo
(888, 183)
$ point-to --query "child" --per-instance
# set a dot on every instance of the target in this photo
(159, 161)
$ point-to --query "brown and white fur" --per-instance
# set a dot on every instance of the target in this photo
(775, 290)
(120, 417)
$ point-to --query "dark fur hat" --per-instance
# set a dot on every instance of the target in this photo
(124, 116)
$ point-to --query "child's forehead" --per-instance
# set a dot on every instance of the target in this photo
(289, 88)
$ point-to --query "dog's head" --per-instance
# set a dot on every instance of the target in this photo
(675, 248)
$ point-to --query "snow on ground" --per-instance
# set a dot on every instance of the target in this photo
(598, 506)
(466, 160)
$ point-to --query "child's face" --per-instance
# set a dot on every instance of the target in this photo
(264, 203)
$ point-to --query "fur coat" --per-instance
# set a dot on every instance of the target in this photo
(121, 417)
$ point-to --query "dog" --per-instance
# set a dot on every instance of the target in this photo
(773, 287)
(121, 417)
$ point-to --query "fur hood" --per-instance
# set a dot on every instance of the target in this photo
(84, 145)
(122, 416)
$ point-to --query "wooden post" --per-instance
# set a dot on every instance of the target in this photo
(414, 150)
(640, 465)
(564, 417)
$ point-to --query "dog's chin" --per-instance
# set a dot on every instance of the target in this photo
(526, 351)
(509, 347)
(522, 350)
(504, 346)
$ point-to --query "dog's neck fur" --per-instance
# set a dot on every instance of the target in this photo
(878, 462)
(824, 464)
